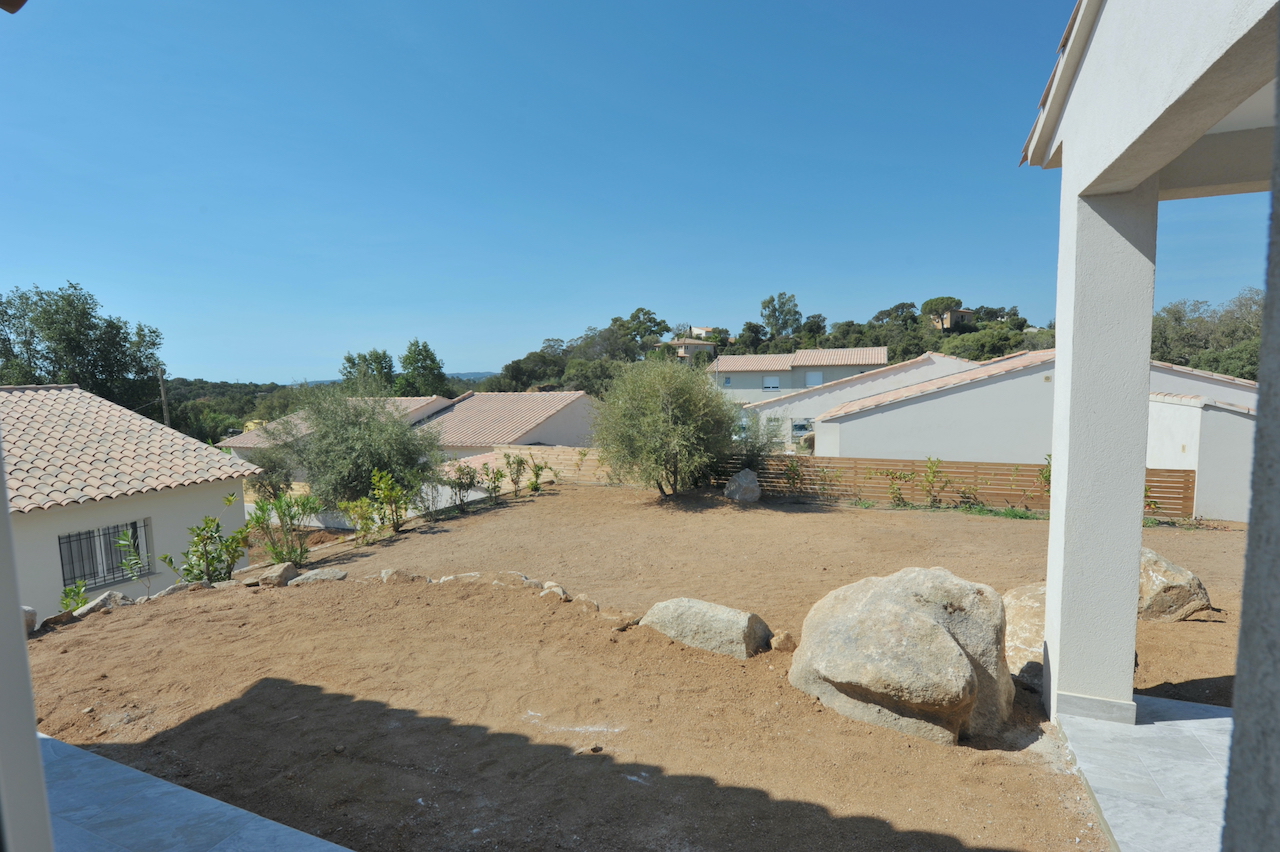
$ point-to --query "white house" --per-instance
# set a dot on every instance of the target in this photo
(81, 471)
(1002, 411)
(754, 378)
(798, 409)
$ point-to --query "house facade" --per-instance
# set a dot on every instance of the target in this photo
(82, 471)
(687, 347)
(756, 378)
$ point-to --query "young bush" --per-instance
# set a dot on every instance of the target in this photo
(491, 478)
(363, 516)
(516, 465)
(390, 500)
(211, 555)
(74, 596)
(277, 472)
(536, 469)
(757, 439)
(279, 523)
(664, 425)
(465, 479)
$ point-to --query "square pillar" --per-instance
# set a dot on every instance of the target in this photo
(1106, 284)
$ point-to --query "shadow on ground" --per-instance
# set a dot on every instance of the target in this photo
(1205, 690)
(372, 777)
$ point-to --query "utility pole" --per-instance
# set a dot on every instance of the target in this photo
(164, 396)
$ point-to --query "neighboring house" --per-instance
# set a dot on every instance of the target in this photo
(796, 410)
(81, 471)
(474, 422)
(687, 347)
(754, 378)
(1002, 411)
(952, 318)
(700, 332)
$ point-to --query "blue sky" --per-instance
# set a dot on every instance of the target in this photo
(275, 184)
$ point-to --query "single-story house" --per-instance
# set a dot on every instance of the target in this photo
(796, 410)
(754, 378)
(687, 347)
(952, 318)
(82, 471)
(1002, 411)
(475, 422)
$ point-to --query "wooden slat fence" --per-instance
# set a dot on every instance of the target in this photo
(1170, 493)
(572, 464)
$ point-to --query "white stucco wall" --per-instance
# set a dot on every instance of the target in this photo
(1223, 480)
(1004, 419)
(1173, 435)
(810, 404)
(748, 387)
(1165, 380)
(571, 426)
(172, 511)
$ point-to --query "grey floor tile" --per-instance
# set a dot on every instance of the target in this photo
(68, 837)
(1181, 783)
(51, 749)
(80, 786)
(264, 834)
(167, 818)
(1160, 824)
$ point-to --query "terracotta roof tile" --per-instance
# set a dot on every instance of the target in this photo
(861, 356)
(412, 408)
(870, 375)
(485, 419)
(63, 445)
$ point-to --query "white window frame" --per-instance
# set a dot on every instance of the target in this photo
(772, 383)
(92, 556)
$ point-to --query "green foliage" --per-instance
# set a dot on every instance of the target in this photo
(536, 470)
(516, 465)
(593, 377)
(1224, 339)
(74, 596)
(757, 438)
(390, 499)
(363, 516)
(365, 368)
(423, 372)
(933, 483)
(664, 425)
(211, 555)
(984, 345)
(62, 337)
(279, 523)
(780, 315)
(464, 480)
(276, 477)
(793, 474)
(934, 308)
(491, 478)
(340, 441)
(897, 478)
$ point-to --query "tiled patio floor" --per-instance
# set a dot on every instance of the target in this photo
(1162, 783)
(99, 805)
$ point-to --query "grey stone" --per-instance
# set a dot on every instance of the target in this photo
(319, 575)
(249, 569)
(396, 575)
(710, 626)
(278, 575)
(783, 641)
(743, 486)
(921, 651)
(228, 584)
(29, 620)
(469, 577)
(58, 620)
(182, 587)
(1168, 592)
(106, 600)
(1024, 631)
(551, 587)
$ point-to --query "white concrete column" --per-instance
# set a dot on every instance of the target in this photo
(1253, 784)
(24, 808)
(1106, 283)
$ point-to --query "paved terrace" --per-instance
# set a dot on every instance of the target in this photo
(1162, 783)
(99, 805)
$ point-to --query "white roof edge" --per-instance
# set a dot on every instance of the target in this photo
(851, 379)
(1222, 377)
(1071, 54)
(1196, 401)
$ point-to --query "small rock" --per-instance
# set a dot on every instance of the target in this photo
(743, 486)
(586, 604)
(552, 588)
(143, 599)
(783, 641)
(182, 587)
(278, 575)
(228, 584)
(532, 584)
(1168, 592)
(29, 619)
(104, 601)
(87, 710)
(319, 575)
(469, 577)
(396, 575)
(58, 620)
(339, 749)
(710, 626)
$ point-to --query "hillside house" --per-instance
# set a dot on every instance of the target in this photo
(755, 378)
(687, 347)
(82, 471)
(952, 318)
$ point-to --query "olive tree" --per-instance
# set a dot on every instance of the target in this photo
(664, 424)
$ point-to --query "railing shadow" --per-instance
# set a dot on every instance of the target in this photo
(369, 776)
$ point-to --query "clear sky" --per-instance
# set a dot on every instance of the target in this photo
(273, 184)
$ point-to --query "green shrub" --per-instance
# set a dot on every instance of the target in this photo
(74, 596)
(363, 516)
(279, 523)
(465, 479)
(211, 556)
(516, 465)
(491, 478)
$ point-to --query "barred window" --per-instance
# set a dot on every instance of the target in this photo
(94, 557)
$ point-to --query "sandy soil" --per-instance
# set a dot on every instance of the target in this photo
(470, 716)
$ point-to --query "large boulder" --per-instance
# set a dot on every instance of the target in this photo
(106, 600)
(709, 626)
(1168, 592)
(319, 575)
(921, 651)
(29, 620)
(1024, 631)
(278, 575)
(743, 486)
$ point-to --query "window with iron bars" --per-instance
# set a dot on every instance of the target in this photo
(94, 557)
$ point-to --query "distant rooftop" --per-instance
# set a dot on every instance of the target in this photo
(862, 356)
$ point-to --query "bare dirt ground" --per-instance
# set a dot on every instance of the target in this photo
(469, 716)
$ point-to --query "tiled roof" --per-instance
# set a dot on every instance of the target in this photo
(63, 445)
(858, 379)
(1197, 401)
(686, 341)
(485, 419)
(1246, 383)
(985, 370)
(412, 407)
(861, 356)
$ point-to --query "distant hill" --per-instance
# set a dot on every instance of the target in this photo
(471, 377)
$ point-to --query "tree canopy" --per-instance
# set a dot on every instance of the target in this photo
(1225, 339)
